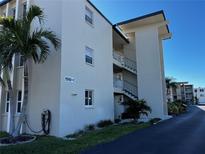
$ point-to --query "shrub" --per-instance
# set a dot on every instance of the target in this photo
(154, 120)
(4, 134)
(117, 121)
(76, 134)
(135, 109)
(177, 107)
(90, 127)
(104, 123)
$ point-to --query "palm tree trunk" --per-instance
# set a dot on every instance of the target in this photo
(22, 117)
(12, 108)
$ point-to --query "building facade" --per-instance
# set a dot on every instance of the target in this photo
(98, 66)
(181, 91)
(199, 93)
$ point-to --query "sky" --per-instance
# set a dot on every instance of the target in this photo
(184, 53)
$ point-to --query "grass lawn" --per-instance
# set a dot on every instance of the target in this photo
(53, 145)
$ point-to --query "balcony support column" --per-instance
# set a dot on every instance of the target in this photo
(17, 10)
(28, 3)
(7, 9)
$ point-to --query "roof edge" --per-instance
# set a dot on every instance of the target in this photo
(99, 12)
(4, 2)
(120, 33)
(143, 17)
(114, 27)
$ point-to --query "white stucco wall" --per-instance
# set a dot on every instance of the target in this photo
(44, 84)
(200, 94)
(76, 35)
(150, 85)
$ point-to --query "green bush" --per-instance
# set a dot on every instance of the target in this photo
(76, 134)
(4, 134)
(117, 121)
(176, 107)
(90, 127)
(104, 123)
(135, 109)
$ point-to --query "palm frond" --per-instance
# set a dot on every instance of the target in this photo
(39, 42)
(2, 82)
(35, 12)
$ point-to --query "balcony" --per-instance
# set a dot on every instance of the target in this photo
(125, 87)
(124, 62)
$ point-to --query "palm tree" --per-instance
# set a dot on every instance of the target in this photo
(18, 37)
(6, 58)
(135, 109)
(170, 83)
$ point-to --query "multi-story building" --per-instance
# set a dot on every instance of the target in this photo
(98, 66)
(199, 93)
(180, 91)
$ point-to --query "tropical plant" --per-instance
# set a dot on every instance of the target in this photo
(170, 83)
(19, 37)
(90, 127)
(176, 107)
(196, 100)
(135, 109)
(104, 123)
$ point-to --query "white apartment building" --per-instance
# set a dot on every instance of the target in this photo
(199, 93)
(181, 91)
(98, 66)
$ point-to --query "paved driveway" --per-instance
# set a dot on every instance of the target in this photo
(184, 134)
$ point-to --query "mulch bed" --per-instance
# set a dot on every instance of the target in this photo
(16, 140)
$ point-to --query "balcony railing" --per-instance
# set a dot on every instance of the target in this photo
(125, 62)
(125, 86)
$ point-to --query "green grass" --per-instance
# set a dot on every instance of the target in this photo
(53, 145)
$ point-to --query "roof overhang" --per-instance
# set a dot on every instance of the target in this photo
(4, 2)
(119, 36)
(156, 18)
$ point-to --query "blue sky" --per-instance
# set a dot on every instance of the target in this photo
(184, 54)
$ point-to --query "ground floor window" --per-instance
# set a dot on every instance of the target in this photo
(7, 102)
(19, 101)
(89, 94)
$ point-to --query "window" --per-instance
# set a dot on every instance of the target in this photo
(7, 102)
(4, 14)
(20, 61)
(19, 101)
(88, 16)
(24, 9)
(195, 90)
(13, 12)
(201, 90)
(88, 97)
(89, 55)
(121, 100)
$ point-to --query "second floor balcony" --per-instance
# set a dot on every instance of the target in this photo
(125, 87)
(124, 62)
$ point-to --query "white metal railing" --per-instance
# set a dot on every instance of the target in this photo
(125, 62)
(125, 86)
(118, 57)
(118, 83)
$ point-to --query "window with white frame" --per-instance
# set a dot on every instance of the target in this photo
(89, 97)
(89, 55)
(7, 105)
(88, 15)
(20, 61)
(19, 101)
